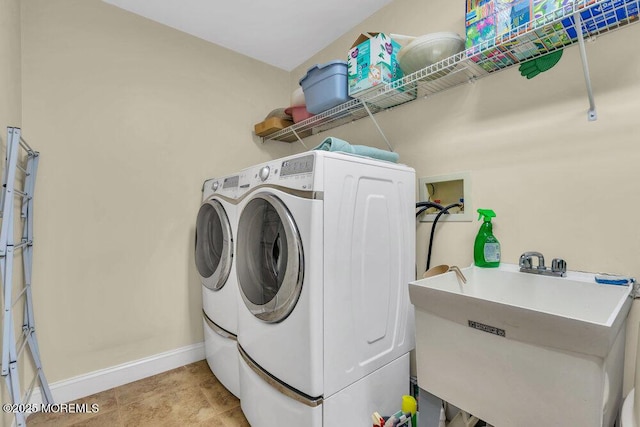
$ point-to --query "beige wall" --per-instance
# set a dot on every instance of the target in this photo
(558, 183)
(130, 117)
(10, 82)
(10, 105)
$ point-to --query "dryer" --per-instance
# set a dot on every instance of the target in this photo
(325, 245)
(216, 227)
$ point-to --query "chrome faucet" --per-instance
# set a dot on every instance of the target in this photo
(525, 260)
(558, 265)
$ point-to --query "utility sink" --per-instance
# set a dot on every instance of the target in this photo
(520, 349)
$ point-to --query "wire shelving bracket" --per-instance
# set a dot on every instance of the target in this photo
(592, 115)
(375, 122)
(14, 346)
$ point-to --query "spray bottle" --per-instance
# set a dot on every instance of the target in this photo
(486, 249)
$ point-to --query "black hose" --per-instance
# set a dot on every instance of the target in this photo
(443, 210)
(429, 205)
(426, 205)
(420, 211)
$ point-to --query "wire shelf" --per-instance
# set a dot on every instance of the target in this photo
(543, 35)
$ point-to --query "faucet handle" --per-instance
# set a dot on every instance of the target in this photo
(558, 265)
(525, 261)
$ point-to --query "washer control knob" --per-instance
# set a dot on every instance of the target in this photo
(215, 186)
(264, 173)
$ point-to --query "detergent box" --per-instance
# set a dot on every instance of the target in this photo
(492, 26)
(494, 59)
(513, 16)
(546, 39)
(490, 22)
(599, 17)
(480, 22)
(493, 20)
(547, 10)
(372, 61)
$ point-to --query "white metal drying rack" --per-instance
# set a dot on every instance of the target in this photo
(13, 347)
(563, 28)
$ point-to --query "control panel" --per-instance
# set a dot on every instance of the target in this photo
(293, 172)
(231, 182)
(227, 186)
(297, 166)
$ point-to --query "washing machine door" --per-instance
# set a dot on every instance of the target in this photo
(270, 265)
(214, 245)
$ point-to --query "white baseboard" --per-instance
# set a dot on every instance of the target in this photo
(105, 379)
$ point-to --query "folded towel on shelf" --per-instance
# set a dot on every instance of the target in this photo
(336, 144)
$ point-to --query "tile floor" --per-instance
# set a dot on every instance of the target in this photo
(187, 396)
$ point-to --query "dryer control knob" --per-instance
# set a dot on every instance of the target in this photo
(264, 173)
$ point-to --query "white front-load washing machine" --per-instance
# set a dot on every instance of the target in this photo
(325, 245)
(216, 227)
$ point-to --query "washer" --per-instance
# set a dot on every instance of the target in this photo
(216, 226)
(326, 245)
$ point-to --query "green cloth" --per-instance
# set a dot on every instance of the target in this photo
(336, 144)
(532, 68)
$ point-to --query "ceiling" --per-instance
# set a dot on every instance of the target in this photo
(282, 33)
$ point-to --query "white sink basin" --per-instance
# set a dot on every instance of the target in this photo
(522, 349)
(571, 313)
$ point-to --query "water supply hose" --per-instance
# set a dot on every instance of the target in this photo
(426, 205)
(442, 211)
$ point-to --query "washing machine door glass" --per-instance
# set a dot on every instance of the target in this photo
(214, 245)
(270, 263)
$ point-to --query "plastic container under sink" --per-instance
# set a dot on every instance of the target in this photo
(325, 86)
